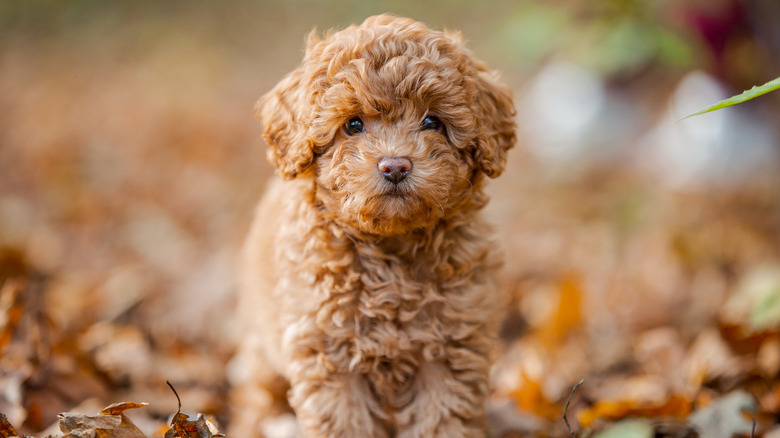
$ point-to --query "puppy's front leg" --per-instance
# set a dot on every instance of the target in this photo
(447, 403)
(330, 404)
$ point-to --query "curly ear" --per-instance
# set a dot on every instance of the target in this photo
(496, 113)
(287, 113)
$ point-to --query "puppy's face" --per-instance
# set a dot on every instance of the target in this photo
(396, 124)
(392, 176)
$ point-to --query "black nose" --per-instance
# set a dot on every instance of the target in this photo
(394, 169)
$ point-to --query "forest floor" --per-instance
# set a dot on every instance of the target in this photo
(130, 163)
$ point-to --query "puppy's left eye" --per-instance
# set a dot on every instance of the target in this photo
(354, 126)
(432, 122)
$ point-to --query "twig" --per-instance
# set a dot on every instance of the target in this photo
(566, 408)
(174, 393)
(753, 430)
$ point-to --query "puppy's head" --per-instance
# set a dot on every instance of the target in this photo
(395, 122)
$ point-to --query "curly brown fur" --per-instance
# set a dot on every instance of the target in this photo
(373, 298)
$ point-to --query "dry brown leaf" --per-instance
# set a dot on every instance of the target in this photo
(6, 430)
(182, 427)
(111, 422)
(120, 408)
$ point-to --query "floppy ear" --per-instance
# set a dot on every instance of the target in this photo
(496, 112)
(287, 113)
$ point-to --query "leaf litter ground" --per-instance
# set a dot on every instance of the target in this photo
(121, 218)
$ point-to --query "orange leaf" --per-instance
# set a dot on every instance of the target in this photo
(530, 398)
(567, 315)
(6, 430)
(675, 406)
(182, 427)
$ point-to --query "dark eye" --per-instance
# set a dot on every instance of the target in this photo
(353, 126)
(432, 122)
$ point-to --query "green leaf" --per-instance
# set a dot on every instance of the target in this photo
(628, 429)
(740, 98)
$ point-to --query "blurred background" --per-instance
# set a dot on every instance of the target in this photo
(643, 252)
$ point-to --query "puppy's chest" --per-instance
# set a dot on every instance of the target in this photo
(373, 309)
(396, 291)
(391, 313)
(397, 321)
(383, 315)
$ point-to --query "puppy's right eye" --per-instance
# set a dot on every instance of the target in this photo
(432, 122)
(353, 126)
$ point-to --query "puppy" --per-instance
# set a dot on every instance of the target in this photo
(367, 272)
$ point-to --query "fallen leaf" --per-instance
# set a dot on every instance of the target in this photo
(109, 423)
(6, 430)
(627, 429)
(529, 397)
(566, 316)
(120, 408)
(74, 425)
(182, 427)
(675, 406)
(724, 417)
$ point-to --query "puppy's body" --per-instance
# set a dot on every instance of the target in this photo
(370, 292)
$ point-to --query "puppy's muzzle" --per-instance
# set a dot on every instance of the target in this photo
(394, 169)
